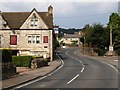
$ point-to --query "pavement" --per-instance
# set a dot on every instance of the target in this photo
(113, 60)
(30, 75)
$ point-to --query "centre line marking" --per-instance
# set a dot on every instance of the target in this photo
(73, 79)
(82, 69)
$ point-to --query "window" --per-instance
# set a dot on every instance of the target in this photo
(13, 39)
(34, 22)
(37, 39)
(29, 39)
(33, 39)
(45, 39)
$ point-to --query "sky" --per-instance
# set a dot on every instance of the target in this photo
(67, 13)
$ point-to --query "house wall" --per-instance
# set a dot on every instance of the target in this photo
(23, 46)
(69, 40)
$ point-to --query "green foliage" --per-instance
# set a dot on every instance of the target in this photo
(8, 69)
(74, 43)
(118, 51)
(97, 36)
(34, 57)
(114, 22)
(22, 61)
(6, 55)
(55, 42)
(100, 51)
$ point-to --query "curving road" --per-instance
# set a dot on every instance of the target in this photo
(79, 72)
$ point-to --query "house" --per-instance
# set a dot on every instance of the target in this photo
(69, 39)
(28, 33)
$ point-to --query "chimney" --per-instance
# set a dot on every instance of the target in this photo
(50, 10)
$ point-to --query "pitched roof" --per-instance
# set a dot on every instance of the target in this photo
(72, 36)
(16, 19)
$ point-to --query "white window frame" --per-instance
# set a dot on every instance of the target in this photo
(33, 39)
(34, 22)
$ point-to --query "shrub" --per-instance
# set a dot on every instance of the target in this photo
(100, 52)
(34, 57)
(36, 63)
(118, 51)
(8, 70)
(6, 55)
(22, 61)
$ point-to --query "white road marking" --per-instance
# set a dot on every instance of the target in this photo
(72, 57)
(82, 69)
(80, 62)
(112, 67)
(28, 83)
(42, 85)
(116, 60)
(67, 53)
(73, 79)
(75, 52)
(77, 60)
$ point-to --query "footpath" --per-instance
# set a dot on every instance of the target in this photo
(111, 60)
(30, 75)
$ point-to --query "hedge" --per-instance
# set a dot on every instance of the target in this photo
(22, 61)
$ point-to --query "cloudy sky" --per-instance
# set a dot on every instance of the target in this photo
(67, 13)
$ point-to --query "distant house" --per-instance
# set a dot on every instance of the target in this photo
(28, 33)
(70, 38)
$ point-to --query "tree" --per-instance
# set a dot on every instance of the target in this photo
(96, 36)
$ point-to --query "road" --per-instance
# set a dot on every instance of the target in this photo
(79, 72)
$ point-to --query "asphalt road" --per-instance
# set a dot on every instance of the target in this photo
(79, 72)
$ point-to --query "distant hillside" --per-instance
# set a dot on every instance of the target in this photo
(69, 31)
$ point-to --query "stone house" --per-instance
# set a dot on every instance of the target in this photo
(28, 33)
(69, 38)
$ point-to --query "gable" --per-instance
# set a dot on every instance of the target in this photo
(34, 18)
(17, 20)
